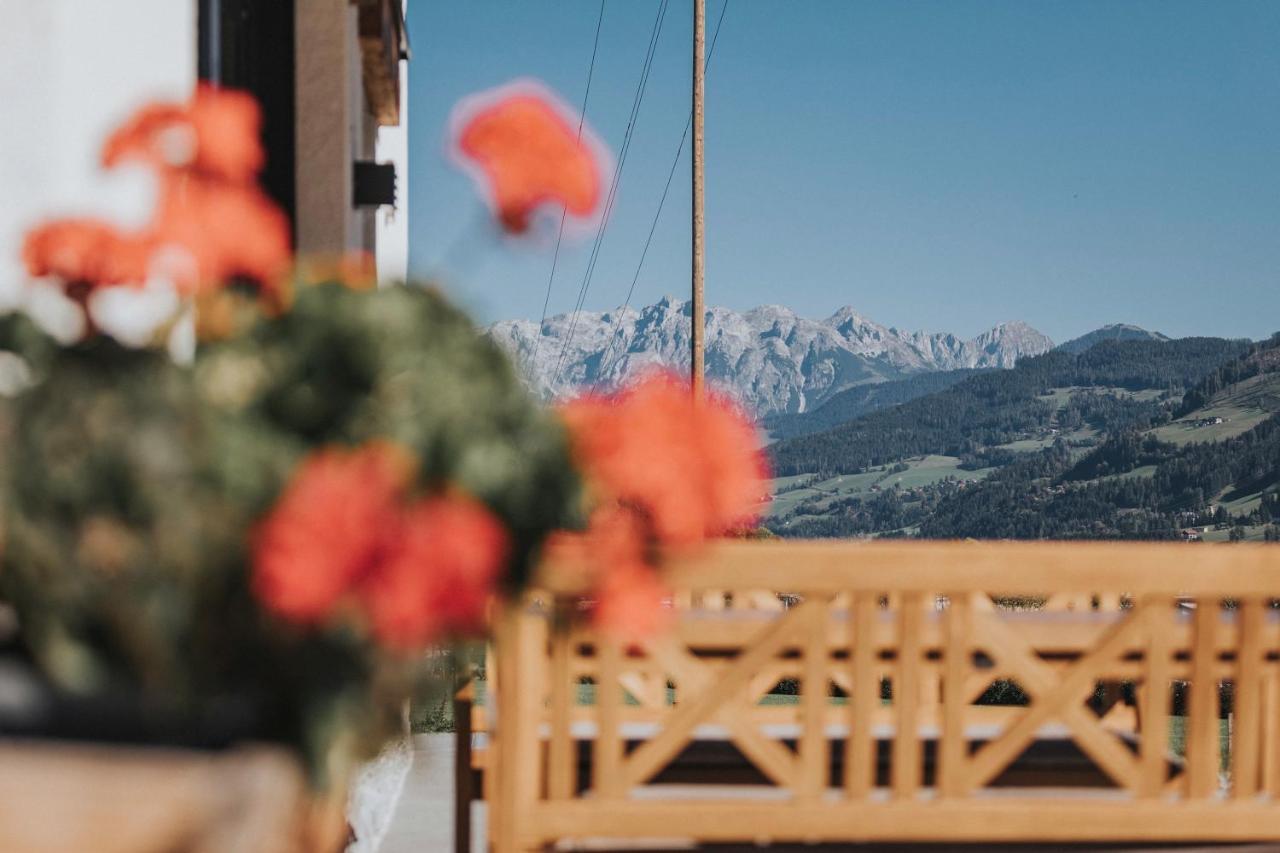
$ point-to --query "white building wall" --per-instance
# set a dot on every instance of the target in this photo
(393, 223)
(70, 71)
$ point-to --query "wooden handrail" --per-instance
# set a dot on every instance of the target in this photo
(997, 568)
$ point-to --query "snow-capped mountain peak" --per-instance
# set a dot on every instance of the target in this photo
(768, 357)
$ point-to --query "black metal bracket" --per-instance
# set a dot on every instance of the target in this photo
(373, 184)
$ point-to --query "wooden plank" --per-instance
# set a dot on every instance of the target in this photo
(953, 749)
(1013, 818)
(504, 828)
(1155, 698)
(814, 697)
(1202, 711)
(1022, 568)
(1246, 764)
(1053, 698)
(1270, 749)
(561, 750)
(606, 759)
(1059, 633)
(653, 755)
(906, 765)
(859, 763)
(772, 758)
(527, 700)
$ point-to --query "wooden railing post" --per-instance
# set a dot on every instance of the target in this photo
(814, 699)
(606, 758)
(519, 688)
(860, 745)
(562, 758)
(905, 768)
(1246, 745)
(1154, 693)
(1202, 711)
(952, 749)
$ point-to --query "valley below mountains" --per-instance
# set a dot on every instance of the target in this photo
(1122, 433)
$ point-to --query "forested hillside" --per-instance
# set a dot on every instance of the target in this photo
(998, 407)
(1049, 496)
(1063, 446)
(1260, 358)
(861, 400)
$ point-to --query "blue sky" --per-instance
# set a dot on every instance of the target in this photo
(938, 165)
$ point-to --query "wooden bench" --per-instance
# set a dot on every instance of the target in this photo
(840, 766)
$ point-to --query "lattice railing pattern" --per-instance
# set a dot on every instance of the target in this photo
(888, 649)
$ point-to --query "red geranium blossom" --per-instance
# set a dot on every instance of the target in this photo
(216, 133)
(332, 527)
(211, 221)
(693, 467)
(205, 232)
(631, 603)
(441, 575)
(345, 533)
(84, 250)
(628, 595)
(663, 468)
(530, 154)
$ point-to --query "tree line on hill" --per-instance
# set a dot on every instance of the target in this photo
(1263, 357)
(1048, 495)
(863, 399)
(998, 407)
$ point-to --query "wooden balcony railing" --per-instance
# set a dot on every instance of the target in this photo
(889, 646)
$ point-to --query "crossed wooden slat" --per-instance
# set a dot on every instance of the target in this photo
(1055, 695)
(724, 692)
(718, 695)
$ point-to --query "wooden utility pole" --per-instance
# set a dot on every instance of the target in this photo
(699, 249)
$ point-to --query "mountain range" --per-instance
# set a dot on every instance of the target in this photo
(1113, 332)
(769, 358)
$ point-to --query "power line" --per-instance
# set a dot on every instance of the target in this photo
(653, 226)
(613, 185)
(582, 117)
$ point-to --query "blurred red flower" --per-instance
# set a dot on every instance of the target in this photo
(693, 468)
(631, 603)
(84, 250)
(217, 134)
(343, 534)
(332, 526)
(441, 575)
(207, 232)
(211, 221)
(530, 155)
(663, 468)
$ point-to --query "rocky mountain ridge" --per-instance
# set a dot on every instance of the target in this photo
(769, 358)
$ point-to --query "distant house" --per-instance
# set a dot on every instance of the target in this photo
(1192, 534)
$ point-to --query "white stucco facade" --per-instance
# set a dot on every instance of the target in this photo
(393, 223)
(70, 71)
